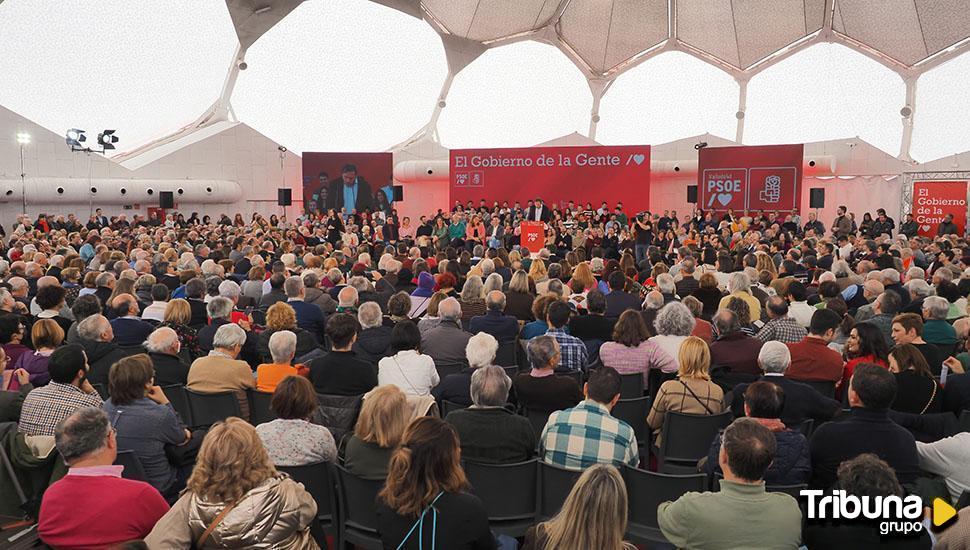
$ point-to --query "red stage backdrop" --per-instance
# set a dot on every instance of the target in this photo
(764, 177)
(557, 175)
(932, 200)
(374, 168)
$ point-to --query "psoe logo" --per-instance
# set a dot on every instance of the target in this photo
(895, 515)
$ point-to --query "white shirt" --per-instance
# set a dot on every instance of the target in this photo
(802, 313)
(670, 344)
(412, 372)
(948, 458)
(155, 311)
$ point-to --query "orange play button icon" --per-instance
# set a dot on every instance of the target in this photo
(942, 512)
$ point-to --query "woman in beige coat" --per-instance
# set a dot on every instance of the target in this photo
(692, 392)
(236, 499)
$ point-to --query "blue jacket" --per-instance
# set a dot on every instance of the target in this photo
(309, 317)
(503, 327)
(792, 464)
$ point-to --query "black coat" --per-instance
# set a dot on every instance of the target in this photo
(373, 344)
(169, 369)
(792, 464)
(342, 373)
(618, 301)
(101, 355)
(802, 402)
(365, 197)
(592, 327)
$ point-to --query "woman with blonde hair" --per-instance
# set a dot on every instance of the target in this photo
(235, 498)
(537, 271)
(763, 262)
(594, 515)
(380, 426)
(692, 392)
(424, 499)
(178, 313)
(584, 274)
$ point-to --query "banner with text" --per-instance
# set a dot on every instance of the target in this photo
(933, 200)
(755, 178)
(557, 175)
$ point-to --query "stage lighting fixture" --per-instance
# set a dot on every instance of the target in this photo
(23, 138)
(107, 139)
(74, 138)
(700, 145)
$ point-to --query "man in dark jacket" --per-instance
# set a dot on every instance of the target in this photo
(618, 301)
(163, 349)
(595, 325)
(374, 341)
(872, 390)
(96, 338)
(350, 191)
(734, 349)
(340, 372)
(308, 316)
(792, 465)
(802, 402)
(495, 322)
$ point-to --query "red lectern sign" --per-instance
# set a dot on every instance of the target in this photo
(533, 235)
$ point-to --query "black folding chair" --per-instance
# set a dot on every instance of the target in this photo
(358, 518)
(505, 356)
(446, 368)
(508, 492)
(963, 423)
(512, 371)
(538, 418)
(555, 483)
(448, 406)
(133, 468)
(631, 386)
(180, 402)
(807, 427)
(576, 375)
(260, 411)
(634, 412)
(686, 438)
(209, 408)
(318, 480)
(645, 491)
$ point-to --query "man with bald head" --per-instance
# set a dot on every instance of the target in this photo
(495, 322)
(129, 330)
(163, 348)
(347, 300)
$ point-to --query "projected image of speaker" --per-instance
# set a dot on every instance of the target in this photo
(284, 197)
(816, 197)
(398, 193)
(166, 200)
(692, 194)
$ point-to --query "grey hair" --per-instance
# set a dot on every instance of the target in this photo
(674, 319)
(841, 268)
(84, 432)
(145, 281)
(359, 283)
(473, 290)
(481, 350)
(219, 308)
(920, 288)
(92, 327)
(890, 275)
(161, 340)
(937, 306)
(915, 272)
(541, 351)
(493, 282)
(348, 296)
(738, 282)
(229, 336)
(495, 300)
(490, 387)
(369, 315)
(665, 282)
(726, 321)
(282, 346)
(310, 279)
(487, 266)
(104, 279)
(449, 310)
(229, 289)
(774, 357)
(292, 286)
(654, 300)
(555, 286)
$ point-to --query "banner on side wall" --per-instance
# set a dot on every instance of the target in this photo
(322, 179)
(754, 178)
(933, 200)
(557, 175)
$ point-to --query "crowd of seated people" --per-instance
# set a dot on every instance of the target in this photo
(399, 352)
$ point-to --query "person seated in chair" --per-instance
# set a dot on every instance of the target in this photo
(763, 401)
(220, 371)
(128, 328)
(81, 510)
(541, 389)
(489, 432)
(495, 322)
(340, 372)
(742, 514)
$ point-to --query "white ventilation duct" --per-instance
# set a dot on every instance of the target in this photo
(417, 171)
(109, 191)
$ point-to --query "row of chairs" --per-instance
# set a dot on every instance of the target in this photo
(516, 496)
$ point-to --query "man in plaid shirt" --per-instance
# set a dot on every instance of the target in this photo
(573, 354)
(586, 434)
(780, 327)
(67, 392)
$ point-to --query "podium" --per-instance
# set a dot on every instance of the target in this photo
(533, 235)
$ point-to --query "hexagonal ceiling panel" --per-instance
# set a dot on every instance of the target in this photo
(743, 32)
(487, 20)
(606, 33)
